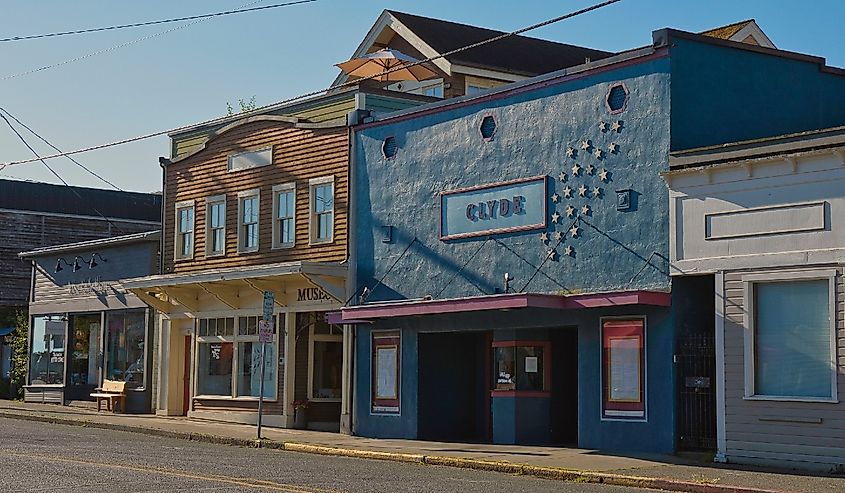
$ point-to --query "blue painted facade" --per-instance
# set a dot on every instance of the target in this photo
(671, 104)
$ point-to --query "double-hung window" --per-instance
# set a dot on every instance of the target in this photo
(790, 340)
(321, 191)
(248, 213)
(229, 358)
(215, 230)
(184, 240)
(284, 215)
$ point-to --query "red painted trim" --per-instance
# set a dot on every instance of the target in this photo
(519, 393)
(617, 329)
(503, 302)
(487, 232)
(657, 54)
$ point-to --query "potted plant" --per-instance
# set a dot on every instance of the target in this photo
(300, 413)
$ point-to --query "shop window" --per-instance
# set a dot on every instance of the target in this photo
(125, 343)
(623, 369)
(386, 370)
(85, 350)
(47, 359)
(521, 366)
(215, 218)
(326, 357)
(792, 340)
(184, 230)
(322, 209)
(229, 362)
(284, 214)
(248, 210)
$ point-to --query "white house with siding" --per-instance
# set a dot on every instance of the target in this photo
(766, 219)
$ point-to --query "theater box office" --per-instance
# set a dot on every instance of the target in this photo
(84, 327)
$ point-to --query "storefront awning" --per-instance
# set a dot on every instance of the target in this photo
(411, 308)
(182, 292)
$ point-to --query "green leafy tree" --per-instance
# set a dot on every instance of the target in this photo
(18, 340)
(246, 106)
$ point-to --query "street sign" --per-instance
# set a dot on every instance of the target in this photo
(265, 332)
(269, 301)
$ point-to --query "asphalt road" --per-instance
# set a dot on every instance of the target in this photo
(44, 457)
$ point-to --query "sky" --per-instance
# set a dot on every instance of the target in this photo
(189, 75)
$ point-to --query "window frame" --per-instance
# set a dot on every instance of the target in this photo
(313, 338)
(178, 244)
(605, 372)
(279, 189)
(749, 336)
(52, 317)
(234, 339)
(231, 159)
(243, 195)
(547, 368)
(209, 203)
(313, 183)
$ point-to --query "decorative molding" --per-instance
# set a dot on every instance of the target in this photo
(762, 221)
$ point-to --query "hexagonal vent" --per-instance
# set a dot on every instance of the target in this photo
(488, 127)
(616, 98)
(389, 147)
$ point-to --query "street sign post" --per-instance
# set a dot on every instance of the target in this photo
(265, 336)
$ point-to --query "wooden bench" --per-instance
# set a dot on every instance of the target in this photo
(112, 392)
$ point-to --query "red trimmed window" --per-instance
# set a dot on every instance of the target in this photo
(387, 350)
(521, 368)
(623, 369)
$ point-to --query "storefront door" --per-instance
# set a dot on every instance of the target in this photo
(86, 357)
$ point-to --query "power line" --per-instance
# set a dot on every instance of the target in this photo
(152, 23)
(33, 132)
(315, 93)
(116, 47)
(72, 189)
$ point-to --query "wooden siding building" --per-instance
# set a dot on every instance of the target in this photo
(763, 220)
(256, 205)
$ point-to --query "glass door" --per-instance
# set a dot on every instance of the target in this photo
(85, 355)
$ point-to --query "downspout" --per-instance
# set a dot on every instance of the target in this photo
(352, 276)
(163, 162)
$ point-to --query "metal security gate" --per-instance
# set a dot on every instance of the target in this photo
(697, 392)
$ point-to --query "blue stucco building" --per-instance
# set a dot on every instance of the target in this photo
(511, 248)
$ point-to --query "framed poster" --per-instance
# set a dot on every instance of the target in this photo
(386, 371)
(623, 369)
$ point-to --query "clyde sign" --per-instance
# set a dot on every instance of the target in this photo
(499, 208)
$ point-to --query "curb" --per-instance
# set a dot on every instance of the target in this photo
(553, 473)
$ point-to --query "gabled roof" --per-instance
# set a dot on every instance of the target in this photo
(746, 31)
(511, 59)
(515, 54)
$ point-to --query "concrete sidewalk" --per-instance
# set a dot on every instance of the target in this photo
(661, 472)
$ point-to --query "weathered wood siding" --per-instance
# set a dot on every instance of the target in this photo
(24, 231)
(298, 155)
(771, 430)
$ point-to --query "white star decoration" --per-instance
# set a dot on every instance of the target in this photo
(574, 230)
(544, 237)
(576, 168)
(597, 153)
(585, 209)
(551, 254)
(590, 169)
(561, 176)
(582, 191)
(555, 198)
(616, 126)
(603, 126)
(568, 251)
(570, 152)
(596, 191)
(570, 211)
(585, 144)
(603, 175)
(558, 235)
(555, 217)
(567, 192)
(612, 147)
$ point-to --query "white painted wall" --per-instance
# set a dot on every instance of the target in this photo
(760, 214)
